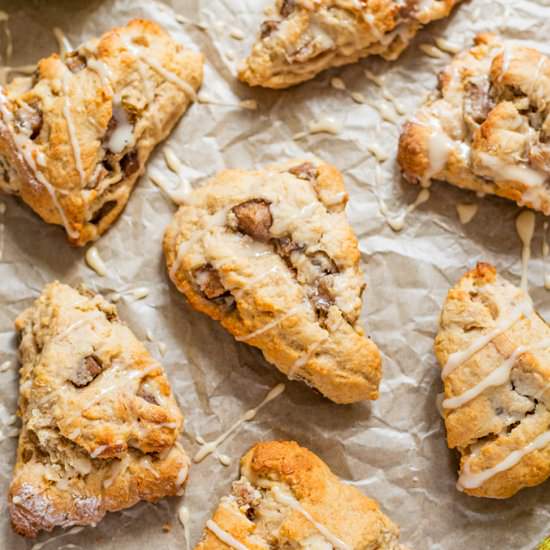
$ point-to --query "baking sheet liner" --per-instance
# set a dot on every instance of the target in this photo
(392, 449)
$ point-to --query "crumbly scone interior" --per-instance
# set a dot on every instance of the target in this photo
(98, 415)
(274, 252)
(487, 127)
(497, 399)
(264, 511)
(75, 136)
(302, 37)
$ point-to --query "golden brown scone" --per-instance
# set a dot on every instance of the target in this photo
(287, 497)
(495, 354)
(75, 138)
(487, 128)
(271, 255)
(305, 37)
(100, 422)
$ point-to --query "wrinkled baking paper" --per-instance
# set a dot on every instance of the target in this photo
(393, 449)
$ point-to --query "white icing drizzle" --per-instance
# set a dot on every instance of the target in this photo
(268, 326)
(209, 448)
(237, 34)
(524, 308)
(25, 150)
(398, 223)
(289, 500)
(545, 251)
(139, 293)
(385, 112)
(6, 365)
(510, 172)
(358, 97)
(447, 46)
(62, 42)
(123, 134)
(162, 348)
(378, 153)
(466, 212)
(174, 195)
(93, 259)
(304, 359)
(177, 167)
(224, 460)
(469, 480)
(397, 106)
(71, 128)
(224, 536)
(98, 450)
(497, 377)
(102, 70)
(249, 104)
(184, 516)
(4, 19)
(323, 125)
(432, 51)
(337, 83)
(186, 21)
(525, 225)
(165, 73)
(378, 80)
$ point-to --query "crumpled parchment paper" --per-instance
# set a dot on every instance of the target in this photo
(392, 449)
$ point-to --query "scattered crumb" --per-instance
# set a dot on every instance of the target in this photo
(167, 527)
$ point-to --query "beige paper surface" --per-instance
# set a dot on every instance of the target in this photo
(392, 449)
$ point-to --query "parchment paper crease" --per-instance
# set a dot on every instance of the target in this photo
(393, 449)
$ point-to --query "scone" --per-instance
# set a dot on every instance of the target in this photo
(495, 353)
(305, 37)
(75, 138)
(100, 423)
(487, 128)
(270, 254)
(287, 497)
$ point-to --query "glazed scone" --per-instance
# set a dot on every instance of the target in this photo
(495, 353)
(305, 37)
(100, 423)
(287, 497)
(75, 138)
(487, 128)
(271, 255)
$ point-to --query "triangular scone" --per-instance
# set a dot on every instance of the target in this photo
(75, 137)
(100, 423)
(487, 128)
(271, 255)
(287, 497)
(495, 354)
(304, 37)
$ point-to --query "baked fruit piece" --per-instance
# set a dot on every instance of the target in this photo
(487, 127)
(495, 354)
(75, 138)
(304, 37)
(100, 423)
(287, 497)
(270, 254)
